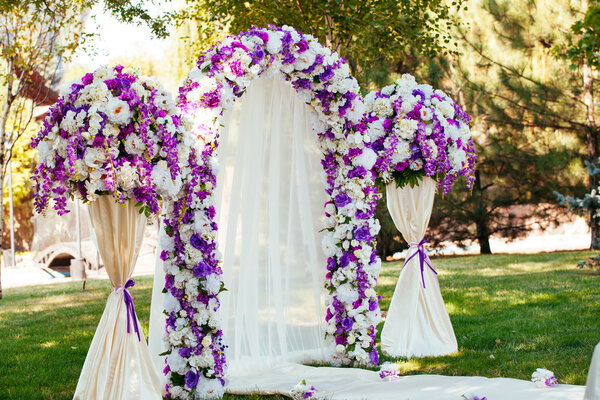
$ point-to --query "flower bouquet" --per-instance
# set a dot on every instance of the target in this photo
(114, 132)
(543, 378)
(418, 131)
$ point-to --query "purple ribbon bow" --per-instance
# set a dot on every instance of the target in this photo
(423, 258)
(129, 305)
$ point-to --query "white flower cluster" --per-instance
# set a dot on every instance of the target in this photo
(304, 391)
(543, 378)
(411, 107)
(389, 371)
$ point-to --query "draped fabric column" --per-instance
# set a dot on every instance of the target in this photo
(417, 323)
(118, 365)
(592, 387)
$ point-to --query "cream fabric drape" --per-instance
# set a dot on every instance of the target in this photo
(269, 205)
(592, 389)
(118, 366)
(417, 323)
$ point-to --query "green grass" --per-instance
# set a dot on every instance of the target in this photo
(511, 314)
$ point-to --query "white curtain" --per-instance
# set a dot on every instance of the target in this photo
(592, 389)
(270, 209)
(118, 365)
(156, 327)
(417, 323)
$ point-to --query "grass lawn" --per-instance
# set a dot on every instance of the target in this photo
(511, 314)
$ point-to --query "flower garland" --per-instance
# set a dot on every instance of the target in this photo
(417, 131)
(116, 133)
(322, 79)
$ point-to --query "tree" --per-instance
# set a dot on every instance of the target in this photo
(366, 33)
(34, 38)
(529, 118)
(583, 50)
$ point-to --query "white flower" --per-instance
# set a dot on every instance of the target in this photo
(118, 111)
(329, 246)
(127, 176)
(161, 176)
(95, 157)
(209, 389)
(176, 362)
(134, 144)
(347, 294)
(367, 159)
(426, 114)
(543, 378)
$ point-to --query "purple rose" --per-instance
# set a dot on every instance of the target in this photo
(373, 305)
(340, 340)
(197, 242)
(236, 68)
(202, 269)
(191, 379)
(302, 46)
(185, 352)
(344, 260)
(362, 234)
(342, 200)
(374, 356)
(347, 323)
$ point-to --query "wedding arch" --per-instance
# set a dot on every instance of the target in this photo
(192, 262)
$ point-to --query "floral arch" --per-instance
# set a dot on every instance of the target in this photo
(196, 353)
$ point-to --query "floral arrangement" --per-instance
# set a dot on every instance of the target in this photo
(471, 396)
(302, 391)
(114, 132)
(418, 131)
(543, 378)
(321, 79)
(389, 371)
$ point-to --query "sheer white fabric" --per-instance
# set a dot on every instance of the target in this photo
(156, 327)
(592, 390)
(417, 323)
(118, 365)
(360, 384)
(269, 210)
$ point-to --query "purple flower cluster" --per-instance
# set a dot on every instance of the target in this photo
(418, 131)
(115, 133)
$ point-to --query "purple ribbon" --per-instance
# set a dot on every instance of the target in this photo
(423, 258)
(129, 305)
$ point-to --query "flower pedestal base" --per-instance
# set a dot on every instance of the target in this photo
(417, 323)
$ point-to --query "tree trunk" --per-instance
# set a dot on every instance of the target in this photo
(3, 120)
(592, 144)
(480, 216)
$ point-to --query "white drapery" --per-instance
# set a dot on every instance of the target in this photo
(417, 323)
(118, 365)
(592, 389)
(269, 210)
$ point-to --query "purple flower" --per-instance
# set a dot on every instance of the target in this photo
(374, 356)
(202, 269)
(191, 379)
(342, 200)
(347, 323)
(185, 352)
(344, 260)
(362, 234)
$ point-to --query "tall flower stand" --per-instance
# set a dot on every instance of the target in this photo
(417, 323)
(118, 365)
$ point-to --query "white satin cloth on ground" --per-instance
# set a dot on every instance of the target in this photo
(360, 384)
(269, 203)
(117, 366)
(592, 391)
(417, 322)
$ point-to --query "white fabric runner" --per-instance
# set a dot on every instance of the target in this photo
(417, 323)
(360, 384)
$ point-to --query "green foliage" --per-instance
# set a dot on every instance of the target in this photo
(367, 33)
(525, 310)
(584, 45)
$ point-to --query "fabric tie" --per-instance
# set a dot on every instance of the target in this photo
(423, 258)
(129, 305)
